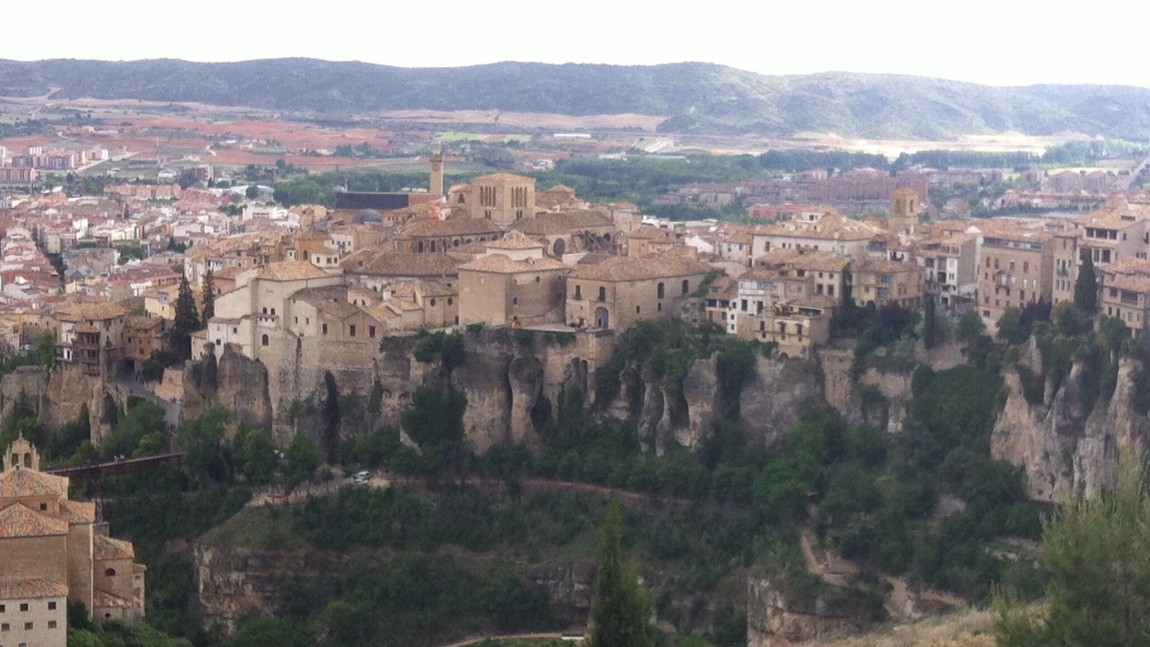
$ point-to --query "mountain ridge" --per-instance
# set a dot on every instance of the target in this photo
(694, 97)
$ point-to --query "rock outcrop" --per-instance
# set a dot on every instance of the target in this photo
(776, 619)
(1068, 447)
(60, 395)
(236, 382)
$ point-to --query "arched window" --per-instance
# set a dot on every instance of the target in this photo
(433, 301)
(110, 572)
(264, 340)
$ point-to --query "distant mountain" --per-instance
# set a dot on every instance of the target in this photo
(695, 97)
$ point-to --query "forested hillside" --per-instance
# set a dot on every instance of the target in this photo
(694, 97)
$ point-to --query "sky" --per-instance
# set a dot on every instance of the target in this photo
(1000, 42)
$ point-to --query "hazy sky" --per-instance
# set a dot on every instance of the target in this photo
(1004, 42)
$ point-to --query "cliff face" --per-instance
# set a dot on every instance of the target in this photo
(235, 382)
(775, 619)
(1068, 447)
(235, 582)
(60, 395)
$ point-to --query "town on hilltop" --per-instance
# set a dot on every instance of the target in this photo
(135, 289)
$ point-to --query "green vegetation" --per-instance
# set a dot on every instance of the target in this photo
(1099, 586)
(187, 320)
(621, 607)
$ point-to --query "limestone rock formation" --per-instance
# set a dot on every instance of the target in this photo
(236, 382)
(1068, 447)
(775, 619)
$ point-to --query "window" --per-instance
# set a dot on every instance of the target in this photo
(450, 301)
(323, 329)
(51, 606)
(578, 291)
(51, 624)
(351, 330)
(637, 310)
(28, 626)
(23, 606)
(686, 286)
(43, 507)
(5, 627)
(371, 332)
(433, 301)
(264, 340)
(111, 572)
(602, 294)
(659, 290)
(537, 279)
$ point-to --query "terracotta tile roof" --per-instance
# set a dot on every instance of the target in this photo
(820, 301)
(329, 300)
(621, 268)
(873, 266)
(92, 311)
(498, 178)
(105, 547)
(380, 263)
(451, 227)
(561, 223)
(31, 589)
(18, 520)
(500, 264)
(25, 482)
(78, 511)
(290, 271)
(1127, 265)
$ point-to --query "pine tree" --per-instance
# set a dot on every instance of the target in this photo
(209, 298)
(186, 320)
(621, 609)
(1086, 287)
(1099, 588)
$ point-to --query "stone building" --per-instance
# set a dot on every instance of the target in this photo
(92, 335)
(54, 551)
(1016, 269)
(501, 198)
(497, 290)
(619, 291)
(904, 209)
(1124, 293)
(884, 282)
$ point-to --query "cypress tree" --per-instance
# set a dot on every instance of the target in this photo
(186, 321)
(621, 609)
(1086, 286)
(209, 287)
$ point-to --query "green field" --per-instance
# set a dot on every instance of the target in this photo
(456, 136)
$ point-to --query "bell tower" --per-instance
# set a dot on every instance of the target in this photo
(21, 454)
(436, 188)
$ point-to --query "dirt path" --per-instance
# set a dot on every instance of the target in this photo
(541, 636)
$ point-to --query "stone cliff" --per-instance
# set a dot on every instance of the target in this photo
(235, 382)
(235, 582)
(778, 619)
(60, 395)
(1066, 446)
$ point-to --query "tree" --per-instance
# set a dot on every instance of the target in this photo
(621, 608)
(302, 459)
(1010, 327)
(1099, 587)
(186, 320)
(1086, 286)
(209, 297)
(970, 326)
(929, 323)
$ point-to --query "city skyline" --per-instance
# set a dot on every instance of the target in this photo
(1001, 44)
